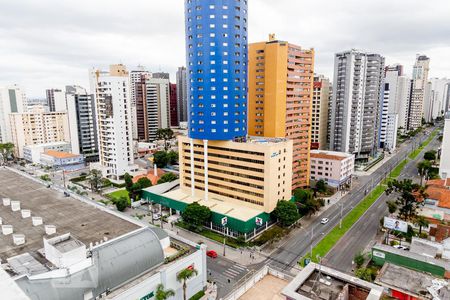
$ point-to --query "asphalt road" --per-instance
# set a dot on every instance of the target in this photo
(226, 274)
(365, 229)
(287, 256)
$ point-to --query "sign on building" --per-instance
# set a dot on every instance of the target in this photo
(259, 221)
(395, 224)
(224, 221)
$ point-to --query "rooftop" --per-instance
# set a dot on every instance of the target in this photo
(417, 284)
(85, 222)
(320, 282)
(439, 193)
(46, 145)
(333, 155)
(60, 154)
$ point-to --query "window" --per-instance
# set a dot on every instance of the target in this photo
(212, 16)
(212, 25)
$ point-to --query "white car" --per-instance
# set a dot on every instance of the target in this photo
(156, 216)
(324, 221)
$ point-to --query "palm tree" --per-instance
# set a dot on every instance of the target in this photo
(184, 275)
(421, 221)
(423, 167)
(162, 294)
(95, 179)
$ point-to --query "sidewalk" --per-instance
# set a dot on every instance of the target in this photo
(241, 256)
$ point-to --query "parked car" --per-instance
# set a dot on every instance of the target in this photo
(156, 216)
(401, 247)
(211, 253)
(324, 221)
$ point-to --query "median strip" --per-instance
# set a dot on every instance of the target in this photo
(416, 152)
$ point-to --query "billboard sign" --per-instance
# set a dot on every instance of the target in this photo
(395, 224)
(224, 221)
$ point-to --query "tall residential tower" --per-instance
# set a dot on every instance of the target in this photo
(281, 80)
(418, 86)
(355, 108)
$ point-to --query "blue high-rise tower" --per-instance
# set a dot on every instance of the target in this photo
(216, 49)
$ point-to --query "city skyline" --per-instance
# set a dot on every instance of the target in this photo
(61, 48)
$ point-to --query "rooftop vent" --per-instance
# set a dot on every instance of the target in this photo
(6, 201)
(15, 205)
(36, 221)
(7, 229)
(50, 229)
(26, 213)
(19, 239)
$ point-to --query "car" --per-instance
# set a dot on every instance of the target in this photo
(156, 216)
(324, 221)
(401, 247)
(211, 253)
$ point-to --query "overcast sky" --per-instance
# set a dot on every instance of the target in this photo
(51, 43)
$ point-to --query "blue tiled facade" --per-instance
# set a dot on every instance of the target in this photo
(217, 62)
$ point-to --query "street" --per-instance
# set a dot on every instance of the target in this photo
(363, 231)
(287, 256)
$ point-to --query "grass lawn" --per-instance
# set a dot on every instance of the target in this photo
(117, 194)
(398, 169)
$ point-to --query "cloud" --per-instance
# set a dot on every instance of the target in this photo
(51, 43)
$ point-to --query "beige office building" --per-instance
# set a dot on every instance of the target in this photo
(38, 127)
(255, 174)
(319, 116)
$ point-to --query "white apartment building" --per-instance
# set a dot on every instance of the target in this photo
(419, 81)
(114, 127)
(56, 99)
(440, 91)
(135, 78)
(355, 107)
(38, 127)
(11, 101)
(335, 168)
(399, 88)
(319, 117)
(444, 166)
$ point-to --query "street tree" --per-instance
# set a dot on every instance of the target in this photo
(286, 212)
(410, 197)
(128, 181)
(162, 294)
(321, 186)
(95, 179)
(196, 215)
(172, 157)
(421, 221)
(184, 276)
(160, 158)
(165, 134)
(6, 152)
(423, 168)
(359, 259)
(430, 155)
(392, 206)
(121, 203)
(144, 182)
(167, 177)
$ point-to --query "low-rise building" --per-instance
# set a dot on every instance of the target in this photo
(241, 182)
(320, 282)
(404, 283)
(81, 250)
(32, 153)
(335, 168)
(62, 160)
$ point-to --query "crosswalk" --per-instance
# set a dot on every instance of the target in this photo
(234, 271)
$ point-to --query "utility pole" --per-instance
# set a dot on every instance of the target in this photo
(224, 237)
(311, 243)
(340, 221)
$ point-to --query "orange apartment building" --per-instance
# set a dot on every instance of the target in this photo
(281, 77)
